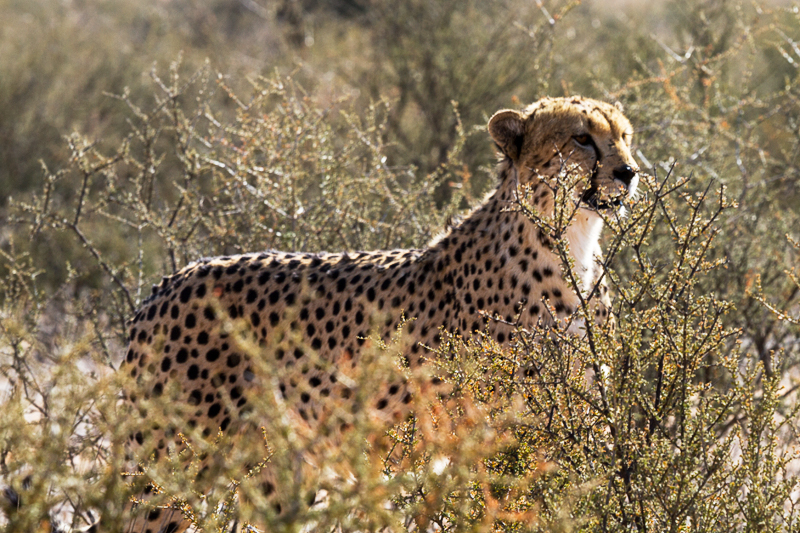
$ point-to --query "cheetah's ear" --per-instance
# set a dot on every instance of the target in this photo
(507, 128)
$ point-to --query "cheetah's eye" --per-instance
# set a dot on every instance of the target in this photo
(584, 139)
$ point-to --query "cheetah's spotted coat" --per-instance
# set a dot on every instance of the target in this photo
(493, 261)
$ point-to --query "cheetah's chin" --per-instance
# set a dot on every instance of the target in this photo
(591, 201)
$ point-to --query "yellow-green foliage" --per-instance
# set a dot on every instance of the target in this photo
(358, 124)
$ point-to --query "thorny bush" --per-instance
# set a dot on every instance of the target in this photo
(657, 426)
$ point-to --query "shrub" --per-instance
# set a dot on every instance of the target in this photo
(684, 418)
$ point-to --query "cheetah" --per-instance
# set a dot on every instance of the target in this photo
(496, 262)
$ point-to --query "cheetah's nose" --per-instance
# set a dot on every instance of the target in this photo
(624, 174)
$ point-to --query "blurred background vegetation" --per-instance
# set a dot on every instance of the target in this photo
(138, 136)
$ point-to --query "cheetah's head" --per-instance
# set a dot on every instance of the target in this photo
(576, 132)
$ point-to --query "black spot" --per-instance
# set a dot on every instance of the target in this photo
(274, 318)
(193, 372)
(274, 296)
(153, 515)
(341, 285)
(201, 290)
(186, 293)
(195, 397)
(182, 356)
(234, 359)
(251, 296)
(255, 319)
(175, 312)
(190, 321)
(175, 334)
(166, 363)
(214, 410)
(212, 355)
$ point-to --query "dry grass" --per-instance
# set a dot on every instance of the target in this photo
(349, 140)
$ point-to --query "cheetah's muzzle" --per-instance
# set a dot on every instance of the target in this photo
(592, 198)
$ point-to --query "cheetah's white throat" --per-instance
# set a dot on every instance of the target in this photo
(583, 235)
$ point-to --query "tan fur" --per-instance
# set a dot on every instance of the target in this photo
(495, 261)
